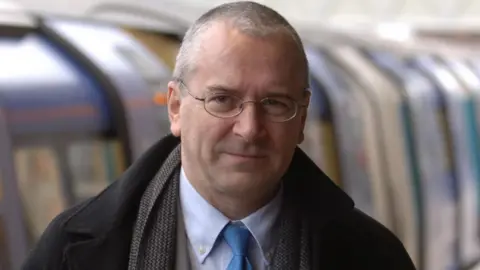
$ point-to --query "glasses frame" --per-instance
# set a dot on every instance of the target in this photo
(296, 103)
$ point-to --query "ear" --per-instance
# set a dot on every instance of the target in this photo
(303, 116)
(173, 103)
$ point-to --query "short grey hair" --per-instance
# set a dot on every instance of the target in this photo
(248, 17)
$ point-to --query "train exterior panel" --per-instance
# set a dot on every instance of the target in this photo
(105, 46)
(41, 92)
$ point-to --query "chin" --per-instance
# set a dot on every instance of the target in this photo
(241, 181)
(237, 188)
(246, 167)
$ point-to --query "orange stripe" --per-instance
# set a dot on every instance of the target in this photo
(138, 103)
(68, 112)
(52, 113)
(160, 98)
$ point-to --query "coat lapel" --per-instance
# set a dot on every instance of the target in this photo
(311, 202)
(110, 253)
(100, 232)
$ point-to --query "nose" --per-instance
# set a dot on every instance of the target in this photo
(249, 124)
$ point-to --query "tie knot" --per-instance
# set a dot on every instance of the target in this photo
(237, 236)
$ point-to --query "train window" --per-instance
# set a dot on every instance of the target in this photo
(165, 47)
(153, 72)
(52, 178)
(145, 66)
(40, 187)
(94, 165)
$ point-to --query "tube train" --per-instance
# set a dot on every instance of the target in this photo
(397, 127)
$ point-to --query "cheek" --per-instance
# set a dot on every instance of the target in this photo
(213, 131)
(191, 130)
(203, 131)
(285, 137)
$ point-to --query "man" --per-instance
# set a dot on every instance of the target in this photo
(229, 188)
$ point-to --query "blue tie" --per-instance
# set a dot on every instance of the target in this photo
(237, 237)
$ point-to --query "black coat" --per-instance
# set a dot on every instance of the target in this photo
(96, 234)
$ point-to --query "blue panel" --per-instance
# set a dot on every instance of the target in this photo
(119, 57)
(319, 105)
(469, 248)
(476, 69)
(45, 93)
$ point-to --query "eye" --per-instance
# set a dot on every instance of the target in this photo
(278, 106)
(275, 103)
(221, 103)
(220, 98)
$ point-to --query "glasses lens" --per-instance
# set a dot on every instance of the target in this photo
(279, 108)
(223, 105)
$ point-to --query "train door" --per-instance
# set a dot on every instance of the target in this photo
(422, 132)
(348, 130)
(320, 138)
(374, 153)
(372, 156)
(442, 251)
(313, 144)
(469, 242)
(388, 102)
(124, 63)
(13, 237)
(52, 108)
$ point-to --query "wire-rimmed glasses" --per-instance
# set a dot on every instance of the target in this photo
(223, 105)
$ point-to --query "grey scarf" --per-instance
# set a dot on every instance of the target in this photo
(154, 238)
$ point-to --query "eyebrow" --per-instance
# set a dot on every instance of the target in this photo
(221, 88)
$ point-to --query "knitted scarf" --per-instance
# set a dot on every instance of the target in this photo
(154, 238)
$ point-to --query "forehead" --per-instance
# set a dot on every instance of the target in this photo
(229, 57)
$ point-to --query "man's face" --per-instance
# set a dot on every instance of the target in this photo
(245, 153)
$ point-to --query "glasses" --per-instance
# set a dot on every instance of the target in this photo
(223, 105)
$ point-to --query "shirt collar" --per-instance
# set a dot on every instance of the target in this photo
(261, 223)
(204, 223)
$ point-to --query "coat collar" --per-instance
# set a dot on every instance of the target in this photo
(119, 202)
(312, 192)
(100, 232)
(114, 211)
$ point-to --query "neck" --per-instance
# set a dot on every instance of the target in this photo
(240, 205)
(234, 205)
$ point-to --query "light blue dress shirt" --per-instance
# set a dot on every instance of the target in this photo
(204, 223)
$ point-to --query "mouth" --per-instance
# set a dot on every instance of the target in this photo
(246, 156)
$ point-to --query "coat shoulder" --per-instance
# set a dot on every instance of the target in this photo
(366, 242)
(48, 250)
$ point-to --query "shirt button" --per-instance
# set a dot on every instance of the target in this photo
(202, 250)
